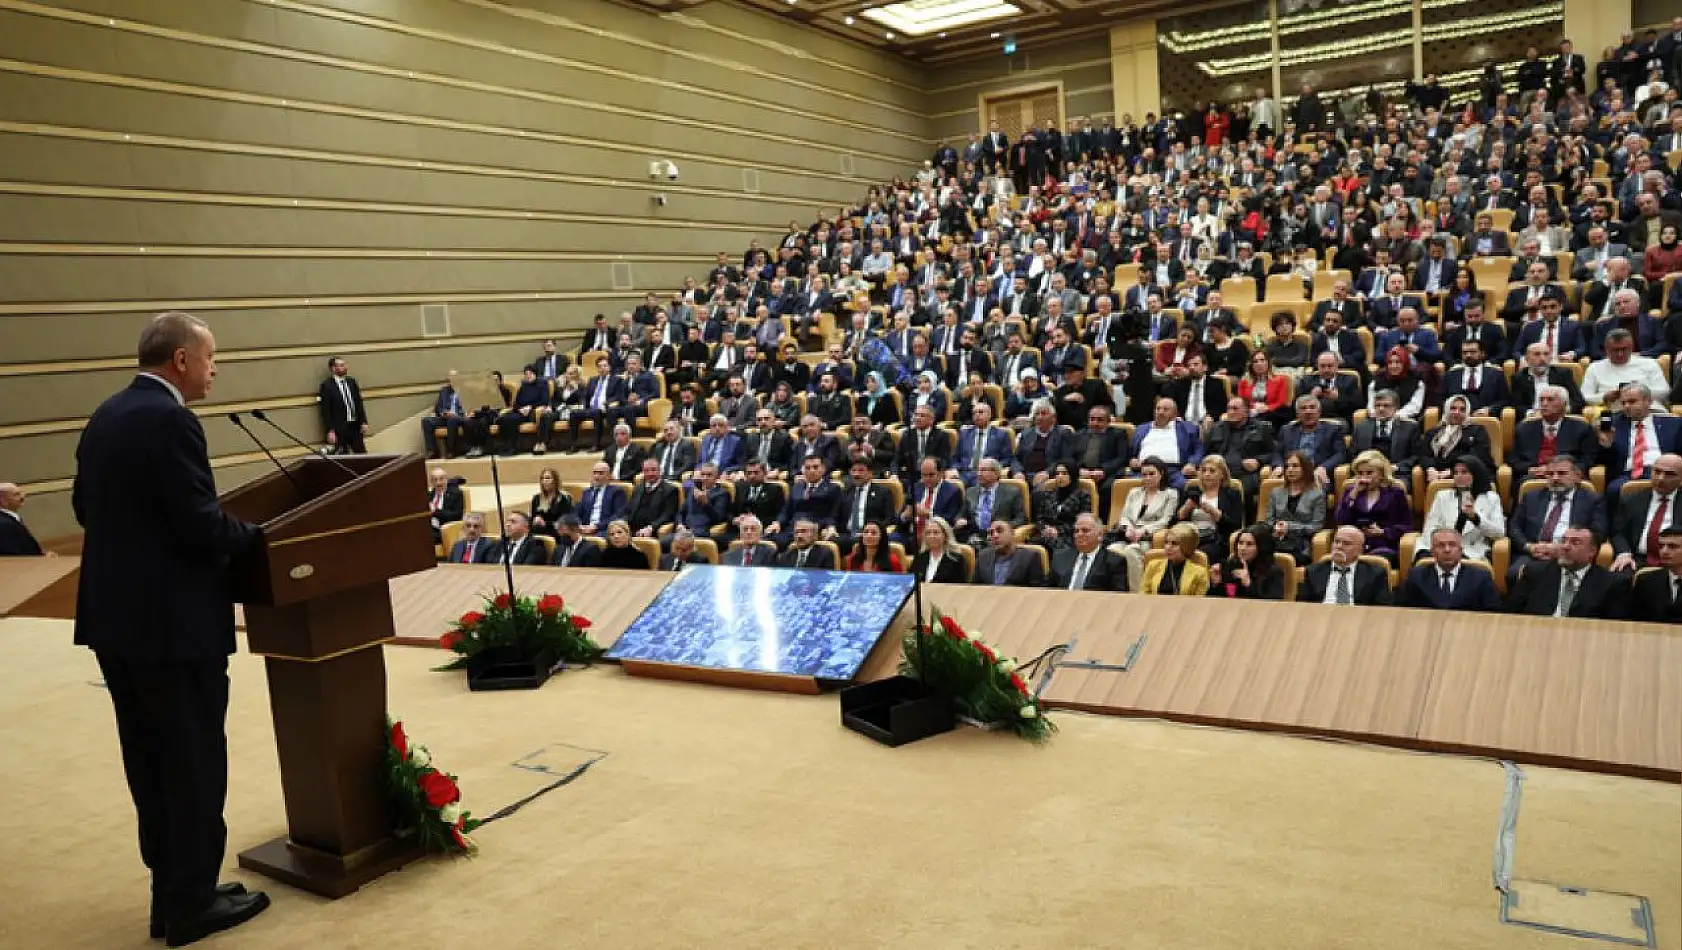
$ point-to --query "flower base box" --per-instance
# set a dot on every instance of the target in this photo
(896, 710)
(496, 669)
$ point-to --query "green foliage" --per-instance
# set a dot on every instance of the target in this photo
(524, 626)
(984, 686)
(409, 774)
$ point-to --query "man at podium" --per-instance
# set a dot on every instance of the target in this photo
(156, 606)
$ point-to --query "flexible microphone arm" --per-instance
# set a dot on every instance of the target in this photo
(260, 417)
(235, 419)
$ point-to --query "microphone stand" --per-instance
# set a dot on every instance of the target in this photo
(507, 562)
(261, 417)
(240, 424)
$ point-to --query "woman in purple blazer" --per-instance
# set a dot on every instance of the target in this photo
(1374, 502)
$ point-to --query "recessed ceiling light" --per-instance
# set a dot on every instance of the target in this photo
(943, 36)
(847, 20)
(928, 17)
(890, 36)
(995, 36)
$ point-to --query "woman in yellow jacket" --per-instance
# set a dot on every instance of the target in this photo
(1175, 572)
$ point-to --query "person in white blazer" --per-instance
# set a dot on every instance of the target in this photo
(1471, 507)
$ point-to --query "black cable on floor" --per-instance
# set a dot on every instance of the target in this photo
(566, 779)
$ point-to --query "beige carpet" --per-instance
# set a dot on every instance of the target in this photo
(744, 820)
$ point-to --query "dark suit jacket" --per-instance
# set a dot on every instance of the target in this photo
(1214, 395)
(1524, 389)
(683, 457)
(818, 559)
(764, 555)
(939, 446)
(483, 549)
(1056, 447)
(814, 502)
(16, 538)
(452, 506)
(1492, 388)
(1114, 451)
(1653, 600)
(1107, 571)
(651, 508)
(1370, 587)
(1524, 526)
(1340, 406)
(531, 551)
(1602, 594)
(156, 577)
(1575, 438)
(632, 469)
(1024, 571)
(779, 451)
(949, 571)
(1401, 448)
(613, 504)
(332, 403)
(1473, 590)
(670, 564)
(1616, 456)
(878, 506)
(766, 509)
(1631, 523)
(1328, 450)
(586, 553)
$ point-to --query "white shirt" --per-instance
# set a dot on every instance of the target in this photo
(167, 385)
(1603, 378)
(15, 516)
(344, 393)
(1652, 512)
(1161, 443)
(1650, 452)
(1437, 576)
(929, 572)
(1566, 501)
(1331, 584)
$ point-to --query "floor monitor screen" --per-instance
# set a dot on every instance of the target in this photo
(768, 620)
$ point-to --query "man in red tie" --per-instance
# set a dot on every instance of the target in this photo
(1643, 515)
(474, 547)
(445, 501)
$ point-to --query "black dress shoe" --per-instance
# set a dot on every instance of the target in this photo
(230, 889)
(225, 912)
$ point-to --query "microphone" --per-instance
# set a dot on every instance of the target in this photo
(260, 417)
(235, 419)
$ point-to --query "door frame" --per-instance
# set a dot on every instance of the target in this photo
(1016, 92)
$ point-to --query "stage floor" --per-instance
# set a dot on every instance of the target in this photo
(743, 819)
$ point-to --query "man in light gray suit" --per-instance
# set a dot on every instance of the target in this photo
(989, 501)
(1004, 563)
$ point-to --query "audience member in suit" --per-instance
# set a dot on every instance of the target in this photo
(803, 550)
(1211, 393)
(1642, 516)
(1570, 585)
(930, 496)
(811, 441)
(1541, 518)
(155, 604)
(653, 503)
(980, 440)
(682, 553)
(1324, 582)
(518, 545)
(1548, 434)
(447, 414)
(1490, 335)
(1537, 372)
(1250, 573)
(938, 562)
(756, 496)
(811, 497)
(721, 447)
(1321, 440)
(921, 440)
(1176, 572)
(1394, 437)
(444, 500)
(769, 446)
(1658, 591)
(1455, 436)
(621, 553)
(343, 416)
(1637, 426)
(1086, 564)
(1100, 453)
(1004, 563)
(603, 394)
(706, 505)
(1482, 383)
(1443, 582)
(572, 548)
(472, 547)
(1346, 307)
(16, 540)
(1169, 438)
(1043, 443)
(549, 504)
(1384, 311)
(750, 551)
(1564, 338)
(673, 454)
(1420, 342)
(1338, 395)
(862, 502)
(602, 501)
(1528, 300)
(624, 458)
(989, 500)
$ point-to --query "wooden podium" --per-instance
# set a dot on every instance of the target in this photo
(318, 608)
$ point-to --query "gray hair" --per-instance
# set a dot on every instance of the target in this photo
(1641, 389)
(1557, 391)
(718, 417)
(166, 333)
(1040, 404)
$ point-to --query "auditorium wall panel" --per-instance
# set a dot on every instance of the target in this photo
(307, 174)
(1082, 66)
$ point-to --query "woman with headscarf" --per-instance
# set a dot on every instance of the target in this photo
(1472, 507)
(1250, 573)
(928, 392)
(1456, 436)
(1056, 503)
(877, 401)
(1398, 377)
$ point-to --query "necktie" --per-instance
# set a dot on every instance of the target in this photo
(437, 500)
(1078, 581)
(923, 444)
(1556, 510)
(747, 555)
(765, 448)
(1638, 452)
(1343, 594)
(1194, 402)
(1567, 593)
(1550, 443)
(863, 496)
(1474, 380)
(601, 394)
(666, 461)
(344, 392)
(596, 506)
(1444, 587)
(800, 559)
(467, 552)
(1383, 432)
(984, 510)
(1552, 341)
(1659, 514)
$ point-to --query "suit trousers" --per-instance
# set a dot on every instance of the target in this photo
(170, 722)
(452, 434)
(350, 438)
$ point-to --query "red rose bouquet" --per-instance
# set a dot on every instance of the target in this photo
(424, 799)
(525, 626)
(984, 685)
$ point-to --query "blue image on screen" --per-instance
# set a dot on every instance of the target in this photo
(769, 620)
